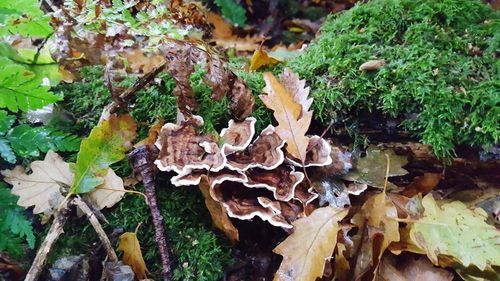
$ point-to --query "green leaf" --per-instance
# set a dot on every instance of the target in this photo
(22, 89)
(13, 224)
(6, 121)
(455, 231)
(106, 144)
(28, 141)
(23, 17)
(232, 11)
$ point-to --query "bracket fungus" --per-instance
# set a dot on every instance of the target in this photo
(248, 177)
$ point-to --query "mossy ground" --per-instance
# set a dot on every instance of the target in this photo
(200, 252)
(441, 77)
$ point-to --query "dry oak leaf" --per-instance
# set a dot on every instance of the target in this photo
(310, 245)
(379, 227)
(43, 187)
(292, 116)
(455, 231)
(132, 255)
(410, 269)
(218, 212)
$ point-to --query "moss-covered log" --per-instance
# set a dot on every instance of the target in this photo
(441, 75)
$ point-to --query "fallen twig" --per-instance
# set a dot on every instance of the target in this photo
(125, 96)
(142, 161)
(98, 228)
(55, 231)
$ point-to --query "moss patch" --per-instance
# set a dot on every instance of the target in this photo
(441, 76)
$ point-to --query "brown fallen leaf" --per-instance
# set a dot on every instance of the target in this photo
(293, 120)
(132, 255)
(372, 65)
(379, 227)
(422, 184)
(222, 28)
(260, 58)
(310, 245)
(218, 212)
(410, 268)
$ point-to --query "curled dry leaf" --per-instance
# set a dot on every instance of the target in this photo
(218, 212)
(422, 184)
(183, 56)
(409, 268)
(260, 59)
(132, 255)
(378, 227)
(52, 177)
(310, 245)
(372, 65)
(457, 232)
(292, 116)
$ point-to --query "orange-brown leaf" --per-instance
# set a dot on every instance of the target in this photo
(260, 59)
(218, 212)
(310, 245)
(132, 254)
(292, 116)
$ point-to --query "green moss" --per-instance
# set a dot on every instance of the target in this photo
(441, 68)
(200, 253)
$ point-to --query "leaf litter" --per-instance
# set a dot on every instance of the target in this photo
(335, 224)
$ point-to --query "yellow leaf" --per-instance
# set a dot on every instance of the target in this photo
(290, 106)
(218, 212)
(132, 254)
(310, 245)
(379, 226)
(260, 59)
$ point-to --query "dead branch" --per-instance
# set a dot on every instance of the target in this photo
(142, 161)
(98, 228)
(55, 231)
(127, 95)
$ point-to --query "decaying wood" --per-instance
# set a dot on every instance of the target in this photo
(98, 228)
(55, 231)
(142, 159)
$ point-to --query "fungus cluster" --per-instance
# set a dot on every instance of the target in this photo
(249, 177)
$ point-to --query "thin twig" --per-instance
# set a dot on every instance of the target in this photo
(55, 231)
(138, 85)
(98, 228)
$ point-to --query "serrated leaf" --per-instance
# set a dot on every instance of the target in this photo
(371, 168)
(106, 144)
(232, 11)
(6, 151)
(455, 231)
(20, 89)
(310, 245)
(290, 104)
(132, 254)
(27, 141)
(23, 17)
(6, 122)
(43, 188)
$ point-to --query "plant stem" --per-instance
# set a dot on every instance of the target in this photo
(142, 161)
